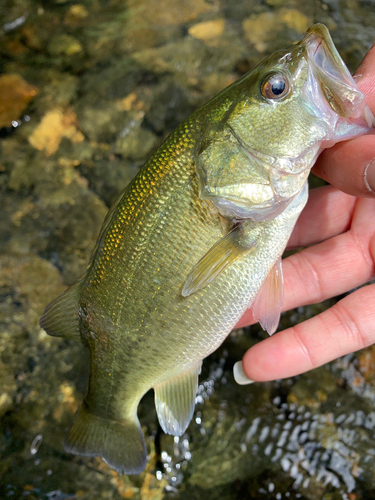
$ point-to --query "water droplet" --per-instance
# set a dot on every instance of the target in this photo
(35, 444)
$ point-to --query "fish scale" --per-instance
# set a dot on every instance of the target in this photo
(196, 239)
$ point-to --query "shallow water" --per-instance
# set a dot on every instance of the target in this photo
(87, 92)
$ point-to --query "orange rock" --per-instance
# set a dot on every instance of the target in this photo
(15, 94)
(208, 31)
(55, 125)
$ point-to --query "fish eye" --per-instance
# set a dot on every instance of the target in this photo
(275, 87)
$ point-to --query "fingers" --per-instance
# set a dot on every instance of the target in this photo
(350, 166)
(346, 327)
(332, 267)
(325, 270)
(328, 213)
(364, 77)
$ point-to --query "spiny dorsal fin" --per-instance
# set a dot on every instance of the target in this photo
(219, 257)
(60, 318)
(269, 300)
(175, 400)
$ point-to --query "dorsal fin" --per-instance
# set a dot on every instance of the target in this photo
(60, 317)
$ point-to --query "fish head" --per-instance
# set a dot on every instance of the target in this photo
(267, 129)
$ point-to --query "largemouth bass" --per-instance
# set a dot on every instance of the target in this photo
(196, 239)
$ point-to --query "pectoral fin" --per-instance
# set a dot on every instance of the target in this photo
(219, 257)
(269, 300)
(175, 401)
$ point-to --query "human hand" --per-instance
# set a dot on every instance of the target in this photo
(339, 222)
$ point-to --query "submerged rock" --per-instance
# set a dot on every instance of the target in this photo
(55, 125)
(65, 45)
(15, 94)
(208, 31)
(260, 29)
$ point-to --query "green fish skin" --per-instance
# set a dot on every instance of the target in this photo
(196, 239)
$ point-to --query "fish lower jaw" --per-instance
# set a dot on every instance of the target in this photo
(258, 213)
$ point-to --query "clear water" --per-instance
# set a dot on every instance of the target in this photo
(98, 85)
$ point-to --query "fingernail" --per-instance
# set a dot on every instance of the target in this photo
(239, 374)
(370, 176)
(369, 117)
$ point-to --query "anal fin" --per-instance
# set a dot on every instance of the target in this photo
(175, 400)
(60, 317)
(269, 300)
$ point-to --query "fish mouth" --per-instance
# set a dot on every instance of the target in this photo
(336, 82)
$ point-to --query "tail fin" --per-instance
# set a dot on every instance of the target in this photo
(119, 442)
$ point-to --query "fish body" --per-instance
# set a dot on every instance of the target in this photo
(196, 239)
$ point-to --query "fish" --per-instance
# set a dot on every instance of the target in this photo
(196, 239)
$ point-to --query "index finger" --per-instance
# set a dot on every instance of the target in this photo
(314, 342)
